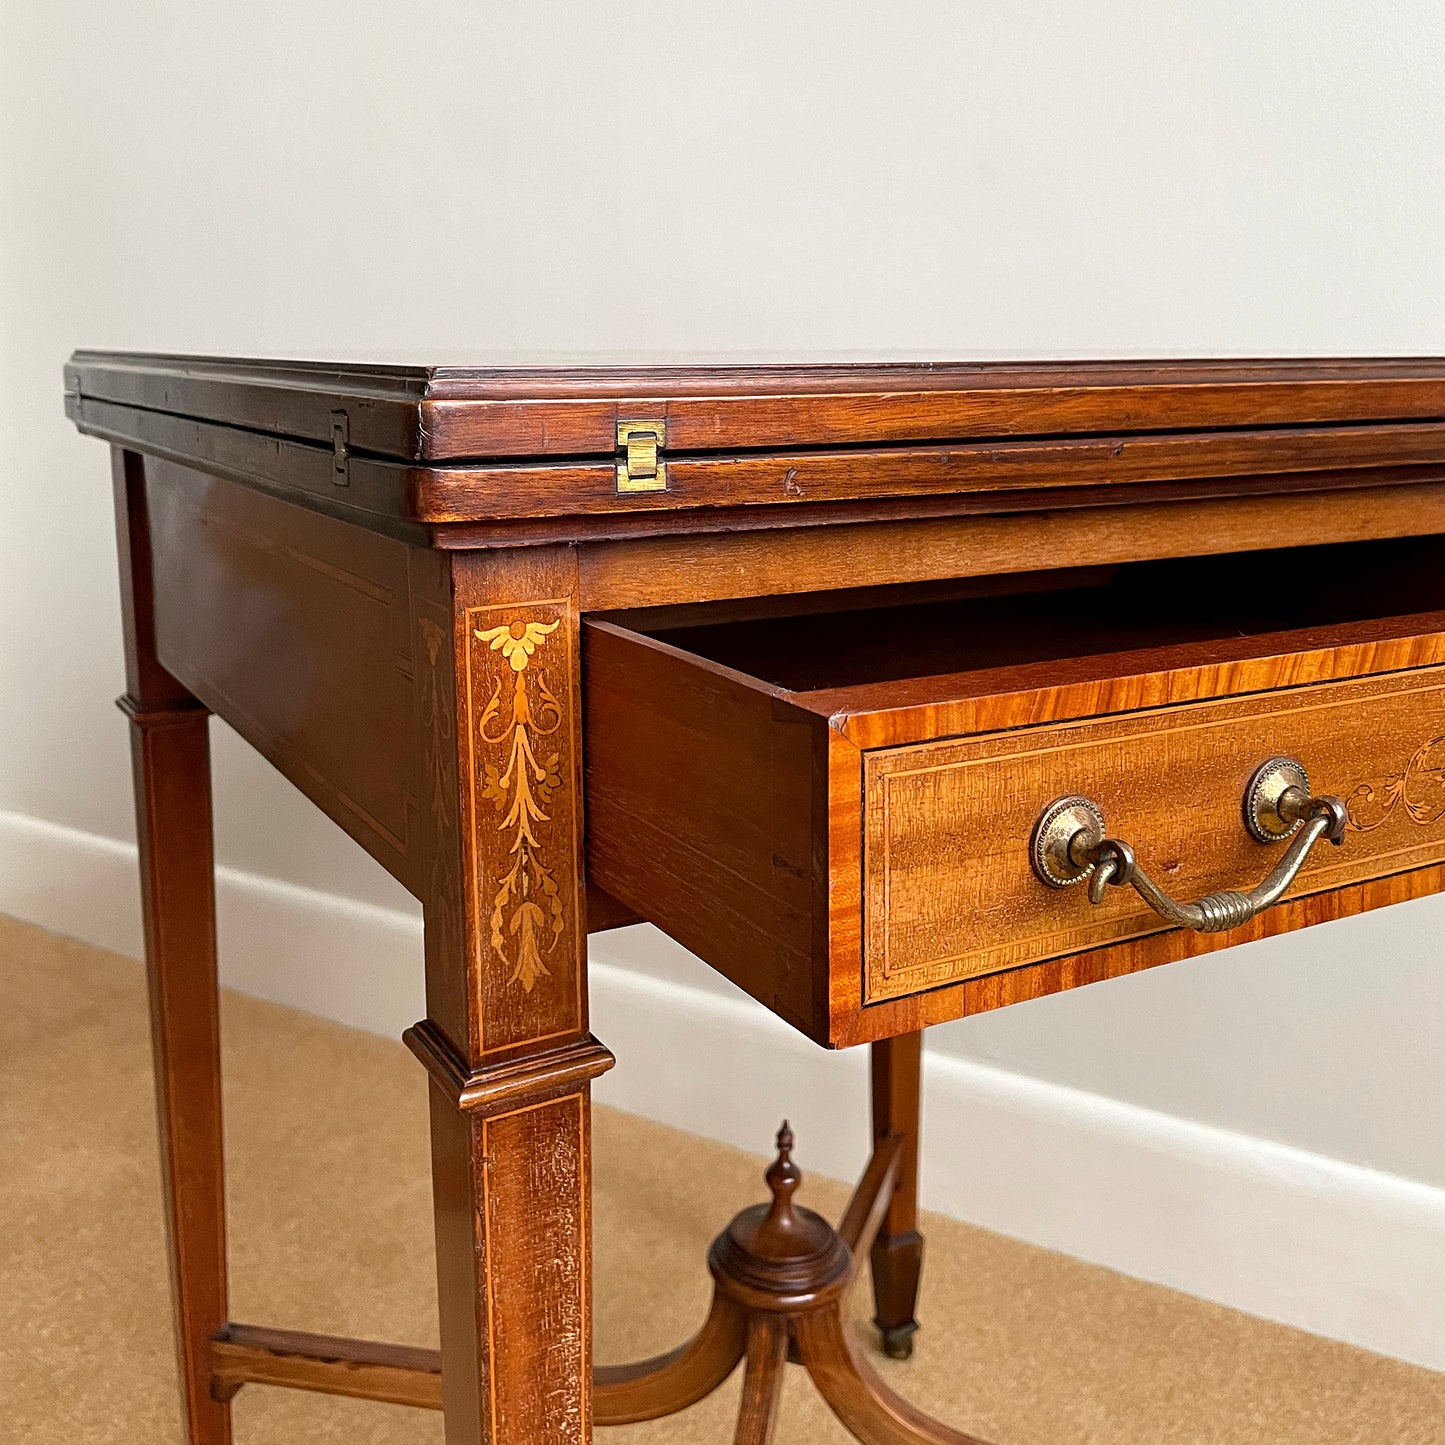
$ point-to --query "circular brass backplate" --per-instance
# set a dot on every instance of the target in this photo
(1056, 828)
(1264, 793)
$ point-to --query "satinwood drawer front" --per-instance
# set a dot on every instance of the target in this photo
(837, 810)
(948, 889)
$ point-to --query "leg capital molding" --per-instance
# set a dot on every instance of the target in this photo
(498, 1088)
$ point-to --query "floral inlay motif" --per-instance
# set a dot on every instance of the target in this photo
(1419, 788)
(527, 912)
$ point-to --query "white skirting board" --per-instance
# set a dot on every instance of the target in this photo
(1314, 1242)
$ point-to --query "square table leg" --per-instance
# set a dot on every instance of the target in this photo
(897, 1254)
(171, 755)
(505, 1038)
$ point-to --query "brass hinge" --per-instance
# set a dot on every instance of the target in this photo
(640, 468)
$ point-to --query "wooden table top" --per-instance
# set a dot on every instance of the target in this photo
(432, 448)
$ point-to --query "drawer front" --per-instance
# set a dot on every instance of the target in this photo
(948, 891)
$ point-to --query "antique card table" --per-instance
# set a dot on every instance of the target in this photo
(842, 675)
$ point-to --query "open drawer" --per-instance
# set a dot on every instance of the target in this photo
(836, 807)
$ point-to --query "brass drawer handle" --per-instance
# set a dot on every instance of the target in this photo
(1070, 844)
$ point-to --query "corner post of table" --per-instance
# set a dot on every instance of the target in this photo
(170, 751)
(897, 1255)
(496, 642)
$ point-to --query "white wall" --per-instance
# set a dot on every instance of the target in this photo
(429, 182)
(337, 176)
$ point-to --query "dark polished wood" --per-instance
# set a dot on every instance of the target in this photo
(327, 1364)
(170, 751)
(896, 1258)
(650, 1389)
(782, 1274)
(850, 550)
(440, 413)
(604, 912)
(506, 1035)
(438, 447)
(331, 635)
(762, 1380)
(550, 704)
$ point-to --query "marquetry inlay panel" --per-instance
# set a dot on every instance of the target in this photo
(521, 757)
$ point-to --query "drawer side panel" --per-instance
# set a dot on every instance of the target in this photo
(700, 805)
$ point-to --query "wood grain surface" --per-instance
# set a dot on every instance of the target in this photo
(461, 411)
(522, 501)
(948, 889)
(701, 805)
(537, 1218)
(518, 729)
(773, 562)
(326, 1364)
(505, 1040)
(792, 480)
(171, 762)
(424, 452)
(874, 834)
(295, 629)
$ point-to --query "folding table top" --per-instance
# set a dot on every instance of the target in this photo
(431, 446)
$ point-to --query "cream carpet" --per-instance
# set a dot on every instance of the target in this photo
(331, 1231)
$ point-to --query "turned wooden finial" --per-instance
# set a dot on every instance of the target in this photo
(783, 1178)
(777, 1253)
(782, 1229)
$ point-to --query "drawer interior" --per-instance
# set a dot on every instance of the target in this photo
(1193, 608)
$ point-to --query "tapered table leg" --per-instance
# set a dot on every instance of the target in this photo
(505, 1039)
(171, 756)
(896, 1258)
